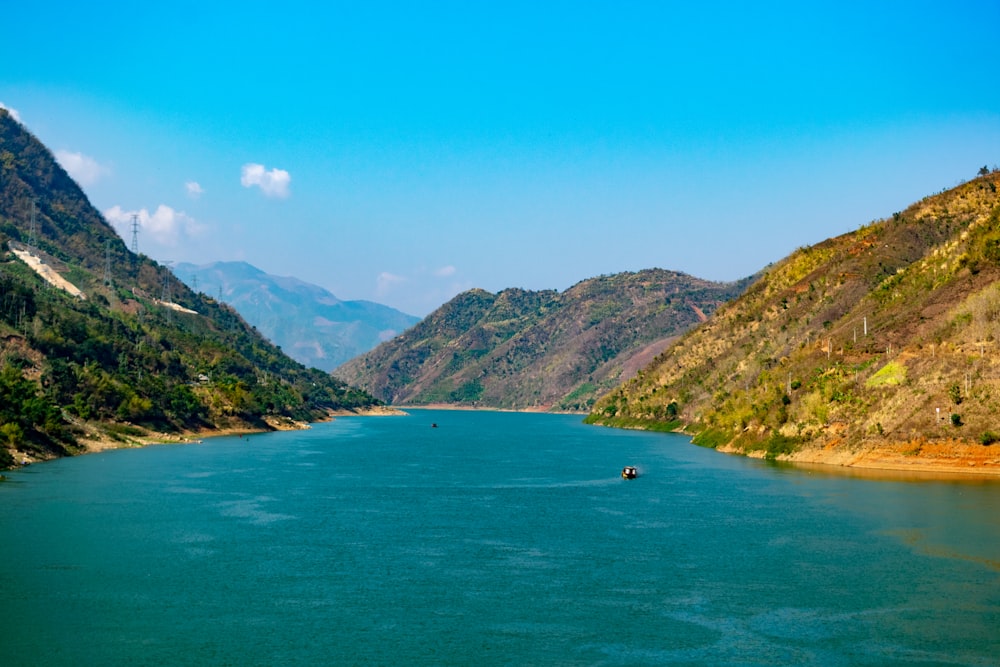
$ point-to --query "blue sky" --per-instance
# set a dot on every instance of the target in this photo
(403, 152)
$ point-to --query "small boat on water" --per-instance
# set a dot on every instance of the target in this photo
(629, 472)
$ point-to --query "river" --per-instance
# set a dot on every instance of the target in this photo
(461, 538)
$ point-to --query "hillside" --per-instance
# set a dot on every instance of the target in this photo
(537, 350)
(309, 323)
(878, 347)
(134, 354)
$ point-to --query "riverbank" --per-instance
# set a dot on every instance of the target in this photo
(546, 409)
(94, 437)
(945, 456)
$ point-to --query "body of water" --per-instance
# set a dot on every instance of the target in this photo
(479, 538)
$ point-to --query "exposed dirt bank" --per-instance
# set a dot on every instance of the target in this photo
(944, 456)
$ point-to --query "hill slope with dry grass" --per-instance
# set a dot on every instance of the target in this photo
(878, 347)
(542, 350)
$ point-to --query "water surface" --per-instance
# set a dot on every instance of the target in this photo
(491, 539)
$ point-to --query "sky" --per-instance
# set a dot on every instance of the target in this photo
(404, 152)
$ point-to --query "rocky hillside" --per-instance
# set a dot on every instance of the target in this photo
(309, 323)
(537, 350)
(878, 347)
(99, 344)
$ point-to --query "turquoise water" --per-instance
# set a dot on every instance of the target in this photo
(493, 539)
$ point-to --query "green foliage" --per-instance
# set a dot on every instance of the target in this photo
(537, 348)
(955, 394)
(643, 424)
(580, 398)
(119, 354)
(956, 419)
(27, 418)
(470, 392)
(983, 245)
(868, 324)
(779, 445)
(712, 438)
(988, 438)
(893, 373)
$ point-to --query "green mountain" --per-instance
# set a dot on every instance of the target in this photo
(537, 350)
(309, 323)
(878, 347)
(97, 343)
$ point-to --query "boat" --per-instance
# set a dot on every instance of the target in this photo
(629, 472)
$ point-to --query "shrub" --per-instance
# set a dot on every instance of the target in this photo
(956, 419)
(988, 438)
(711, 438)
(779, 444)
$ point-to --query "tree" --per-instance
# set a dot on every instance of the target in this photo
(984, 170)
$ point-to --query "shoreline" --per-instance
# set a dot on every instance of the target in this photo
(951, 459)
(96, 440)
(469, 408)
(925, 458)
(921, 457)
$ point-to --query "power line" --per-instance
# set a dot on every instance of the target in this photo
(135, 234)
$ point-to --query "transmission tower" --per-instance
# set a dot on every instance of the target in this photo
(107, 262)
(31, 228)
(166, 281)
(135, 234)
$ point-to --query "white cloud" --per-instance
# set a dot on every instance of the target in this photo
(194, 189)
(445, 271)
(13, 112)
(83, 168)
(165, 225)
(421, 290)
(272, 183)
(386, 282)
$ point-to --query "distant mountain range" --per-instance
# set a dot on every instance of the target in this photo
(543, 350)
(309, 323)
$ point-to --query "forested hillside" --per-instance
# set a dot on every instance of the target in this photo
(137, 353)
(543, 350)
(878, 345)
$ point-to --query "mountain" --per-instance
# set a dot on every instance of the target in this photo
(537, 350)
(309, 323)
(877, 347)
(97, 343)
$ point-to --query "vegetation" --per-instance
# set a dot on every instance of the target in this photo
(119, 362)
(862, 339)
(543, 350)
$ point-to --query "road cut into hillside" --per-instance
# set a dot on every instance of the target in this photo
(48, 273)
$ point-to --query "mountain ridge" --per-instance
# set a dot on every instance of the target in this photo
(542, 350)
(877, 347)
(140, 357)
